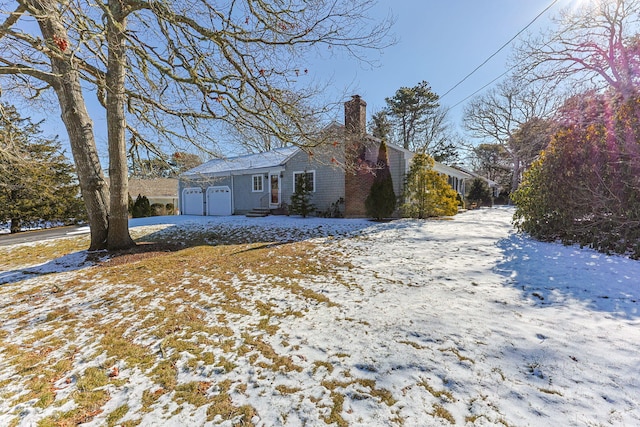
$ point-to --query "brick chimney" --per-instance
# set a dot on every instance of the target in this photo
(358, 179)
(355, 117)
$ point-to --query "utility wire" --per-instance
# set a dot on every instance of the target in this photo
(482, 88)
(496, 52)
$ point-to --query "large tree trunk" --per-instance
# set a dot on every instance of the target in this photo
(517, 170)
(118, 236)
(16, 224)
(79, 127)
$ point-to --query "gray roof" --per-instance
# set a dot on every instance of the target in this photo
(249, 162)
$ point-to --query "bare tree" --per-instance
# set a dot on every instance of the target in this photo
(252, 136)
(170, 70)
(497, 116)
(596, 44)
(10, 139)
(438, 139)
(37, 62)
(493, 162)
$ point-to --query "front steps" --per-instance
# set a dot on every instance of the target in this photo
(258, 212)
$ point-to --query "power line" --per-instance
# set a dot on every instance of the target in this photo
(496, 52)
(482, 88)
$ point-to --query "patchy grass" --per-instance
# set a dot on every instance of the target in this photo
(167, 313)
(22, 256)
(549, 391)
(116, 415)
(443, 395)
(459, 355)
(439, 411)
(198, 319)
(412, 344)
(287, 390)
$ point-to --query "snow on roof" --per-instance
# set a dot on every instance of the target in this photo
(268, 159)
(448, 170)
(477, 175)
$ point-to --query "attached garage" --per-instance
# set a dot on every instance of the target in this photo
(236, 185)
(219, 201)
(192, 201)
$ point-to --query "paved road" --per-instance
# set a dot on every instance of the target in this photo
(39, 235)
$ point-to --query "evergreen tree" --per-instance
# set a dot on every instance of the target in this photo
(381, 201)
(410, 109)
(479, 193)
(37, 182)
(141, 207)
(427, 193)
(380, 126)
(301, 197)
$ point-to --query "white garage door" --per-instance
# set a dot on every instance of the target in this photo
(219, 201)
(192, 201)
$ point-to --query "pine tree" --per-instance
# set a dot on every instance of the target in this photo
(381, 201)
(410, 110)
(479, 193)
(427, 193)
(37, 182)
(301, 197)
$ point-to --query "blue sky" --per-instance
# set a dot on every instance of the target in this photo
(441, 41)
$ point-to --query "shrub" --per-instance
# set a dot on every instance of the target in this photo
(584, 187)
(130, 205)
(141, 207)
(426, 192)
(158, 209)
(301, 197)
(333, 211)
(381, 201)
(479, 193)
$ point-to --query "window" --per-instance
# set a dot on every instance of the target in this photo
(311, 180)
(258, 184)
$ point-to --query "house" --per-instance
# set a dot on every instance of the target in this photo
(456, 177)
(495, 188)
(158, 190)
(162, 191)
(340, 170)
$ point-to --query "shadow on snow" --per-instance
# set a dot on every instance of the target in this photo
(551, 274)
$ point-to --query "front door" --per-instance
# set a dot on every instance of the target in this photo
(274, 188)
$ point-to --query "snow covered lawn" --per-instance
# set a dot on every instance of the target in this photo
(289, 321)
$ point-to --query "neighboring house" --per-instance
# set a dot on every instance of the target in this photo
(157, 190)
(456, 177)
(495, 188)
(341, 169)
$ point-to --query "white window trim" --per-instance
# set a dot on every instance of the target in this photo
(313, 172)
(253, 184)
